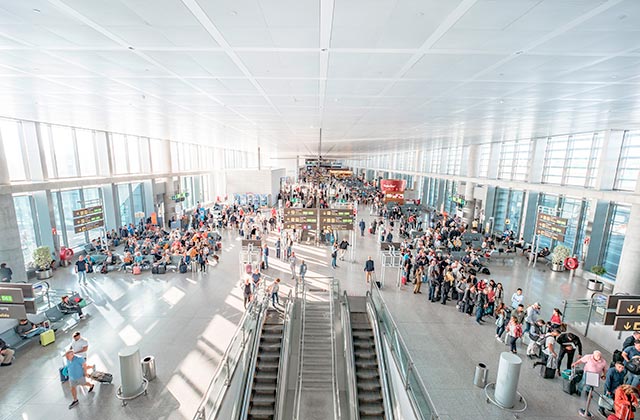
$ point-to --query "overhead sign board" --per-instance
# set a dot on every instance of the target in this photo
(300, 218)
(11, 311)
(337, 219)
(8, 295)
(609, 318)
(88, 218)
(552, 227)
(612, 300)
(628, 307)
(458, 200)
(26, 288)
(627, 323)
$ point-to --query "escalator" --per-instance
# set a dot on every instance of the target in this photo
(370, 403)
(262, 401)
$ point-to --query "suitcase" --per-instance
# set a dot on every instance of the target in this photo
(154, 269)
(162, 269)
(183, 268)
(605, 402)
(547, 373)
(247, 269)
(47, 338)
(371, 230)
(102, 377)
(262, 266)
(136, 270)
(569, 385)
(63, 374)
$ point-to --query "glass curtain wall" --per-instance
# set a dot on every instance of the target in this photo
(27, 225)
(616, 230)
(507, 212)
(12, 144)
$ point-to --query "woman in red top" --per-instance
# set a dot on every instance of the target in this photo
(625, 397)
(556, 318)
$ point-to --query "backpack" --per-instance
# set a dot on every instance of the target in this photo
(517, 331)
(183, 268)
(104, 269)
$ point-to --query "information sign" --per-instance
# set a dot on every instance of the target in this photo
(9, 295)
(337, 219)
(300, 218)
(552, 227)
(88, 218)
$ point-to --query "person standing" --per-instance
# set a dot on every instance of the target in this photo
(75, 370)
(592, 363)
(568, 343)
(274, 288)
(369, 269)
(81, 270)
(362, 225)
(334, 256)
(247, 292)
(533, 313)
(5, 273)
(278, 248)
(615, 378)
(303, 270)
(629, 353)
(517, 298)
(514, 331)
(79, 346)
(292, 264)
(265, 256)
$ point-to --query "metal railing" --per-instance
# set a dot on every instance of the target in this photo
(334, 295)
(578, 311)
(383, 372)
(421, 402)
(301, 293)
(351, 359)
(244, 334)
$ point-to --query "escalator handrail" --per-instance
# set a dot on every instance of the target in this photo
(200, 413)
(398, 361)
(382, 361)
(301, 288)
(334, 285)
(283, 364)
(245, 401)
(351, 359)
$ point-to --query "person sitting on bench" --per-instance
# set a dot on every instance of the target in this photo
(6, 354)
(27, 329)
(544, 252)
(67, 306)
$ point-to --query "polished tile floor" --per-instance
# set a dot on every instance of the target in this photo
(187, 320)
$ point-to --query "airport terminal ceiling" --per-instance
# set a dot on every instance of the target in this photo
(377, 76)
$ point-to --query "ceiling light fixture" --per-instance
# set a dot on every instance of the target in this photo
(234, 13)
(501, 101)
(37, 10)
(519, 52)
(131, 48)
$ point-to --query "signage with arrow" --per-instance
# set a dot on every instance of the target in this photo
(628, 307)
(627, 323)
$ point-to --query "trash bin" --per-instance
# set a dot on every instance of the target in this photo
(149, 368)
(480, 378)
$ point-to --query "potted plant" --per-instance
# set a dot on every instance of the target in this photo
(42, 260)
(596, 284)
(560, 253)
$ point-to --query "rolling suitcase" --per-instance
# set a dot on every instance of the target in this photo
(64, 377)
(102, 377)
(547, 373)
(47, 338)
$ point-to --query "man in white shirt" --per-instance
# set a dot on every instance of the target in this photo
(79, 345)
(517, 299)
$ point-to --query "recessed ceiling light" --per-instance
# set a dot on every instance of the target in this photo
(519, 52)
(234, 13)
(131, 48)
(614, 77)
(501, 101)
(37, 10)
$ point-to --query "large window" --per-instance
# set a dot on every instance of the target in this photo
(436, 160)
(64, 147)
(615, 233)
(125, 204)
(484, 156)
(12, 144)
(71, 200)
(572, 160)
(514, 160)
(454, 159)
(27, 225)
(119, 151)
(507, 210)
(86, 152)
(629, 164)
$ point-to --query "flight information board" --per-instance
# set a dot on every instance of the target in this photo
(88, 218)
(337, 219)
(299, 218)
(553, 227)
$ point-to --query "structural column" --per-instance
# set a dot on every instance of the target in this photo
(628, 277)
(469, 208)
(10, 245)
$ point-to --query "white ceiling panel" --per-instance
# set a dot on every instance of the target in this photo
(351, 65)
(161, 12)
(494, 14)
(552, 14)
(451, 67)
(269, 64)
(290, 87)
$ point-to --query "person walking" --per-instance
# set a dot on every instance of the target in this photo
(303, 270)
(278, 248)
(274, 288)
(5, 273)
(6, 354)
(248, 292)
(292, 264)
(334, 256)
(81, 270)
(517, 298)
(76, 373)
(369, 269)
(265, 256)
(362, 225)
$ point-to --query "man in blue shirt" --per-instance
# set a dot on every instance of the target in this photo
(628, 354)
(75, 371)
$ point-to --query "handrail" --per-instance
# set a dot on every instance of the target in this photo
(302, 289)
(283, 364)
(227, 365)
(351, 359)
(334, 357)
(245, 401)
(382, 361)
(392, 334)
